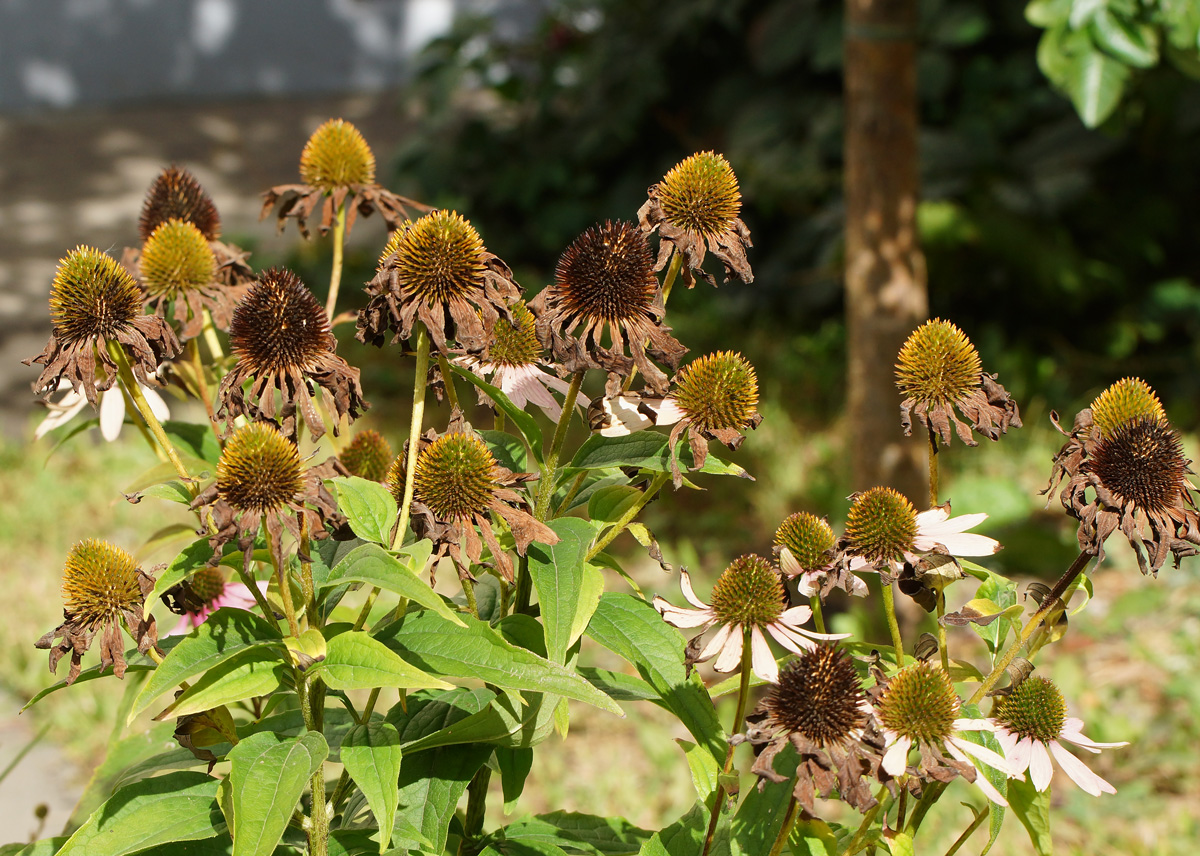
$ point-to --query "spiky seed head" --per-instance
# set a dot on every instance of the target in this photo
(938, 365)
(439, 258)
(99, 582)
(207, 584)
(1034, 709)
(820, 696)
(718, 391)
(1126, 400)
(336, 155)
(176, 194)
(176, 258)
(515, 344)
(259, 470)
(700, 194)
(456, 476)
(749, 592)
(808, 538)
(881, 525)
(607, 274)
(92, 295)
(1142, 462)
(367, 456)
(279, 324)
(920, 703)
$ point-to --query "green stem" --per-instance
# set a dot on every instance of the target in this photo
(933, 469)
(366, 608)
(738, 718)
(941, 630)
(307, 588)
(574, 489)
(859, 840)
(139, 400)
(476, 808)
(549, 475)
(468, 588)
(414, 431)
(249, 582)
(498, 420)
(672, 272)
(785, 831)
(929, 795)
(1048, 605)
(335, 274)
(628, 517)
(814, 603)
(448, 381)
(889, 610)
(980, 817)
(202, 389)
(210, 337)
(312, 701)
(285, 586)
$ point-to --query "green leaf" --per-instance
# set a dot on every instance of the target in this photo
(515, 764)
(646, 450)
(508, 720)
(594, 480)
(525, 423)
(372, 757)
(267, 775)
(509, 451)
(1003, 593)
(1095, 82)
(252, 672)
(704, 767)
(355, 661)
(193, 557)
(369, 507)
(194, 439)
(898, 843)
(578, 833)
(568, 588)
(760, 816)
(1132, 43)
(608, 504)
(813, 838)
(45, 847)
(633, 629)
(618, 685)
(431, 643)
(227, 633)
(290, 723)
(174, 807)
(1047, 13)
(1032, 808)
(397, 573)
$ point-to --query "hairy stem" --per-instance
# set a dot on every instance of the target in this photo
(448, 381)
(550, 468)
(414, 431)
(889, 610)
(629, 516)
(814, 603)
(143, 407)
(785, 831)
(476, 807)
(335, 273)
(210, 337)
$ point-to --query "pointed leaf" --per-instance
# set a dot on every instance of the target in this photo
(703, 766)
(355, 661)
(646, 450)
(1095, 82)
(568, 588)
(578, 833)
(1032, 808)
(525, 423)
(267, 775)
(760, 816)
(508, 720)
(509, 451)
(514, 765)
(396, 573)
(369, 507)
(252, 672)
(431, 784)
(372, 756)
(193, 557)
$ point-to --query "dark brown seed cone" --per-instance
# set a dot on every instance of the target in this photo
(819, 695)
(176, 194)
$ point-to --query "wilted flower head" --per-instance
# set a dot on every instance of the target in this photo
(605, 281)
(695, 207)
(95, 304)
(939, 370)
(805, 544)
(283, 342)
(194, 600)
(102, 589)
(438, 272)
(368, 456)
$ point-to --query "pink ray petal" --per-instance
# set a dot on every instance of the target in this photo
(1079, 772)
(794, 643)
(685, 584)
(112, 413)
(788, 563)
(984, 754)
(763, 661)
(895, 760)
(1040, 768)
(731, 651)
(981, 780)
(797, 615)
(677, 616)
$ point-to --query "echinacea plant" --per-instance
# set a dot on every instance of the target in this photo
(368, 641)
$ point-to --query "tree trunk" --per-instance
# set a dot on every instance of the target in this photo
(885, 272)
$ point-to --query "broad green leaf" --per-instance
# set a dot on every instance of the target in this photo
(251, 672)
(372, 756)
(431, 643)
(593, 481)
(618, 685)
(1131, 42)
(398, 574)
(760, 816)
(431, 784)
(1095, 82)
(704, 767)
(525, 423)
(45, 847)
(514, 764)
(1000, 591)
(194, 439)
(267, 776)
(508, 450)
(508, 720)
(813, 838)
(355, 661)
(227, 633)
(193, 557)
(633, 629)
(1032, 808)
(898, 843)
(568, 588)
(685, 837)
(1047, 13)
(607, 505)
(369, 507)
(174, 807)
(222, 845)
(578, 833)
(337, 724)
(647, 450)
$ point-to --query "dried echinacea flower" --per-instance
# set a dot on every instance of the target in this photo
(368, 455)
(95, 304)
(819, 706)
(458, 486)
(437, 271)
(938, 370)
(805, 544)
(102, 589)
(283, 342)
(695, 208)
(194, 600)
(337, 168)
(605, 281)
(260, 479)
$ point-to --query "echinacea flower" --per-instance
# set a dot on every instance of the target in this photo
(937, 371)
(819, 706)
(206, 592)
(438, 272)
(102, 589)
(747, 599)
(805, 544)
(283, 342)
(111, 410)
(1030, 721)
(337, 167)
(918, 707)
(605, 282)
(368, 455)
(695, 207)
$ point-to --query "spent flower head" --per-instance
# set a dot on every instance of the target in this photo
(806, 547)
(368, 455)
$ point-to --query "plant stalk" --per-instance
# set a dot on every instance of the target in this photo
(785, 831)
(814, 603)
(550, 468)
(738, 718)
(629, 516)
(414, 432)
(889, 610)
(139, 400)
(335, 273)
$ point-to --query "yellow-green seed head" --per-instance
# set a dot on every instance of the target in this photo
(749, 592)
(176, 258)
(718, 391)
(700, 194)
(99, 582)
(456, 477)
(920, 703)
(1034, 709)
(367, 456)
(1126, 400)
(336, 155)
(439, 258)
(207, 584)
(515, 344)
(259, 470)
(808, 538)
(820, 696)
(938, 365)
(881, 525)
(92, 295)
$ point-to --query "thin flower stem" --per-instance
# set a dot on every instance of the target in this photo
(306, 576)
(210, 337)
(814, 603)
(340, 790)
(414, 431)
(933, 469)
(550, 468)
(498, 420)
(366, 608)
(143, 407)
(476, 808)
(672, 272)
(980, 817)
(335, 273)
(142, 429)
(202, 389)
(738, 718)
(628, 517)
(574, 489)
(785, 831)
(285, 587)
(889, 610)
(448, 381)
(468, 588)
(859, 840)
(941, 631)
(312, 700)
(249, 582)
(1035, 621)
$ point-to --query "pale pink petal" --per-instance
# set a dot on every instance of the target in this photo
(237, 596)
(624, 417)
(793, 630)
(157, 406)
(1072, 732)
(112, 413)
(788, 563)
(793, 642)
(858, 587)
(1008, 744)
(64, 411)
(974, 725)
(808, 583)
(763, 661)
(1022, 753)
(731, 654)
(685, 583)
(1079, 772)
(678, 616)
(983, 753)
(1040, 768)
(895, 760)
(797, 615)
(666, 412)
(717, 643)
(969, 545)
(981, 780)
(932, 518)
